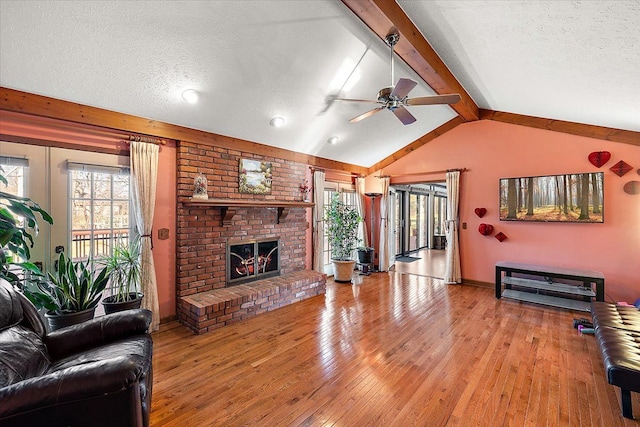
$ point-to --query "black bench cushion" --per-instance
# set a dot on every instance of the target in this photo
(620, 350)
(615, 316)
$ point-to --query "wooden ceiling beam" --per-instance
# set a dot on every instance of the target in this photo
(42, 106)
(580, 129)
(381, 16)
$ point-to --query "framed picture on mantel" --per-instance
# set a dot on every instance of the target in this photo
(255, 177)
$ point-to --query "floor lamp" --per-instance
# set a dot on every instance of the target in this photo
(373, 196)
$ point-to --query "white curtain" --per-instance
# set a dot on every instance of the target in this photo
(383, 251)
(318, 222)
(362, 230)
(391, 227)
(453, 273)
(144, 171)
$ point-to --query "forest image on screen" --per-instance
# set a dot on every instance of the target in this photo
(554, 198)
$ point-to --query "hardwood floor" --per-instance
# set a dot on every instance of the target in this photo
(431, 263)
(394, 350)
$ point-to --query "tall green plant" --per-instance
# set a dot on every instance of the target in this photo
(73, 287)
(16, 237)
(342, 229)
(124, 268)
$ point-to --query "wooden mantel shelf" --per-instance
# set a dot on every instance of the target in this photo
(229, 206)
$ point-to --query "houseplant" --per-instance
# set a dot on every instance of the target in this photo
(16, 236)
(342, 230)
(124, 268)
(70, 295)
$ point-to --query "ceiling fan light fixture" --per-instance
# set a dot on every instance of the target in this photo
(191, 96)
(395, 97)
(333, 140)
(277, 122)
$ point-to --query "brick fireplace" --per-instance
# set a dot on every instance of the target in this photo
(204, 232)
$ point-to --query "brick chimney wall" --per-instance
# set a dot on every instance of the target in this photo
(201, 237)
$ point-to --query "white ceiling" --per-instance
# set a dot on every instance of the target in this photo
(577, 61)
(253, 60)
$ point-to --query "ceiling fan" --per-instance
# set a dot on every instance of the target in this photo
(394, 98)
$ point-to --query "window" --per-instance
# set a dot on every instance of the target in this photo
(15, 171)
(99, 206)
(347, 194)
(439, 215)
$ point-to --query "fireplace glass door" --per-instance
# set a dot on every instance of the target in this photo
(252, 260)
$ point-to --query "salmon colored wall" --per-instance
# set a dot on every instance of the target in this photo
(493, 150)
(164, 251)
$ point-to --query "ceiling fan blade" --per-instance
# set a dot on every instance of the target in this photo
(434, 100)
(355, 100)
(404, 115)
(367, 114)
(402, 88)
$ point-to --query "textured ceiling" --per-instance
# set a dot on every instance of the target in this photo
(577, 61)
(253, 60)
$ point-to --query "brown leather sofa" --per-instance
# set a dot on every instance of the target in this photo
(97, 373)
(617, 329)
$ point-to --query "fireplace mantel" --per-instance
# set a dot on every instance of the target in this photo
(229, 206)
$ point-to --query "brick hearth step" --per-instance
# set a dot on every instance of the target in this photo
(206, 311)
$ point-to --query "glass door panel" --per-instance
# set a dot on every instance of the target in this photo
(414, 220)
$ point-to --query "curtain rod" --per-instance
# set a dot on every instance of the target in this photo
(424, 173)
(334, 171)
(146, 139)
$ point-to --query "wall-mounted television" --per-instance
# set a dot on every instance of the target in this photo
(577, 197)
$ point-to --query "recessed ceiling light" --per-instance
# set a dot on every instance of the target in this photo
(191, 96)
(276, 122)
(332, 140)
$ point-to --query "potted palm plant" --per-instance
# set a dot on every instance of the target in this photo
(71, 294)
(342, 229)
(124, 268)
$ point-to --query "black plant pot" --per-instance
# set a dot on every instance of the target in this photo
(112, 306)
(365, 255)
(58, 321)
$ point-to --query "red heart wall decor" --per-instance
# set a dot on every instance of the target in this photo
(599, 158)
(480, 212)
(485, 229)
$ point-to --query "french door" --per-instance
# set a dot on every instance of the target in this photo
(47, 179)
(418, 217)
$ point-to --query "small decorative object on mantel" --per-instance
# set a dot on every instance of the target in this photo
(501, 236)
(480, 212)
(621, 168)
(632, 187)
(255, 177)
(485, 229)
(599, 158)
(200, 187)
(304, 191)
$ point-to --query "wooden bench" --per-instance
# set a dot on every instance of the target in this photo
(206, 311)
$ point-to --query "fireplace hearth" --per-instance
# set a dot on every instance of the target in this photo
(252, 260)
